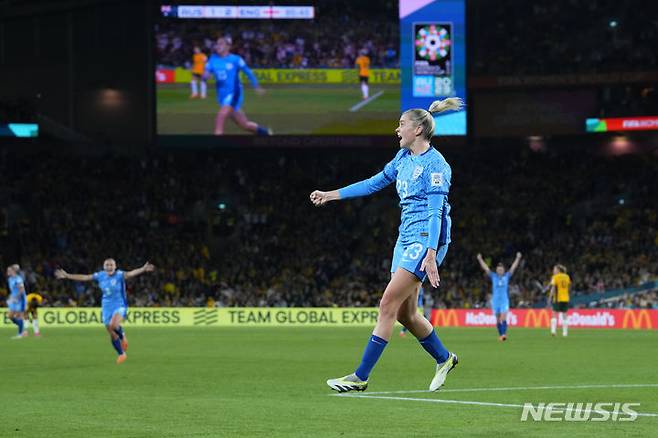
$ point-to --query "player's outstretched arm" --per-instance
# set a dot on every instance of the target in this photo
(515, 265)
(148, 267)
(483, 264)
(63, 275)
(362, 188)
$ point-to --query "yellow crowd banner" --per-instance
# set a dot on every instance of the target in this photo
(268, 76)
(220, 317)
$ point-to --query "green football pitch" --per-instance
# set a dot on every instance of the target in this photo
(286, 109)
(216, 382)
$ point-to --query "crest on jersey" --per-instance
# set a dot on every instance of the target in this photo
(437, 179)
(113, 282)
(229, 66)
(417, 171)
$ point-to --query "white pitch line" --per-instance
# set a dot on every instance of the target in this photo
(363, 103)
(518, 388)
(476, 403)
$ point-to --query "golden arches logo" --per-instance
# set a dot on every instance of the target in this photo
(445, 318)
(537, 318)
(636, 319)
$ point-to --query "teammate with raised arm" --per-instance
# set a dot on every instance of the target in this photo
(422, 178)
(112, 282)
(500, 291)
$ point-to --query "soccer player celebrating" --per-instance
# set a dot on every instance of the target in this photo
(226, 67)
(500, 291)
(112, 282)
(16, 301)
(559, 297)
(363, 65)
(422, 178)
(198, 68)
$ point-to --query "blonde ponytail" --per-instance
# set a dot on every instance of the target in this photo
(424, 118)
(451, 103)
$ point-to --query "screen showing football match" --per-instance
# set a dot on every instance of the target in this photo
(317, 68)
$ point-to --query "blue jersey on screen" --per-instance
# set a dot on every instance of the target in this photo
(15, 284)
(500, 286)
(416, 178)
(226, 71)
(113, 288)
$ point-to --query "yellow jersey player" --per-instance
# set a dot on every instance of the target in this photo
(559, 297)
(199, 60)
(363, 65)
(34, 301)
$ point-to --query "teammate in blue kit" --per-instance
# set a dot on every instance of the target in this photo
(422, 178)
(225, 67)
(500, 291)
(112, 282)
(17, 301)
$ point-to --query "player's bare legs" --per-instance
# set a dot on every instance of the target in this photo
(224, 112)
(408, 316)
(240, 119)
(403, 284)
(17, 318)
(501, 318)
(114, 329)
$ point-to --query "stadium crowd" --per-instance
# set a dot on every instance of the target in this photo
(340, 30)
(224, 229)
(640, 300)
(524, 38)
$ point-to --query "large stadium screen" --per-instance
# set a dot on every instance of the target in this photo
(321, 67)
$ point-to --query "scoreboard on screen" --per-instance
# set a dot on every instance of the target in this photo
(433, 57)
(225, 12)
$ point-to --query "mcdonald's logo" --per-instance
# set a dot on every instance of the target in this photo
(636, 319)
(536, 318)
(445, 318)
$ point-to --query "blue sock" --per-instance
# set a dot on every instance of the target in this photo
(20, 325)
(116, 343)
(371, 355)
(119, 332)
(262, 131)
(499, 327)
(504, 324)
(432, 344)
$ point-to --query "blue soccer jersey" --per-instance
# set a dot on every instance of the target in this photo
(226, 71)
(17, 299)
(15, 282)
(499, 286)
(416, 179)
(423, 183)
(113, 288)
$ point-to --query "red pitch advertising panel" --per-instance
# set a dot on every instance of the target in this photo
(540, 318)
